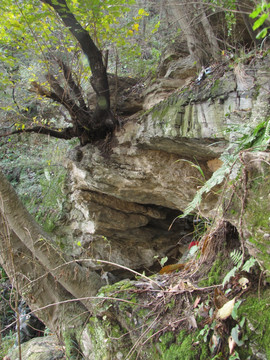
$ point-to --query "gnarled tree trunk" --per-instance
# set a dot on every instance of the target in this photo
(46, 278)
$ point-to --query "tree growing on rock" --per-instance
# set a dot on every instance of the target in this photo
(49, 280)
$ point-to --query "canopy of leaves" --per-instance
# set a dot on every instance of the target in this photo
(33, 39)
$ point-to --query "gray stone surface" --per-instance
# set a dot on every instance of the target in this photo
(41, 348)
(126, 194)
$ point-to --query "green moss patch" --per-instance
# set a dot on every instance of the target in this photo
(257, 312)
(181, 347)
(216, 273)
(257, 217)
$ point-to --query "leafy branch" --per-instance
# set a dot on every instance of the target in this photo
(262, 13)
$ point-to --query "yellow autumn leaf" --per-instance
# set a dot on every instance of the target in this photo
(143, 12)
(130, 32)
(135, 27)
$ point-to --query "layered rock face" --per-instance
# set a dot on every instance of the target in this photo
(126, 194)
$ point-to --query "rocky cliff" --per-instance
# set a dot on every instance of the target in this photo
(126, 193)
(124, 199)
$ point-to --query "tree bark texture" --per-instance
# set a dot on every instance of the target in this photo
(99, 80)
(201, 41)
(27, 250)
(48, 299)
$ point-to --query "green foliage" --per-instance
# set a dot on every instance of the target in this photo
(32, 22)
(235, 315)
(236, 257)
(216, 179)
(249, 264)
(204, 333)
(181, 347)
(3, 275)
(214, 275)
(230, 274)
(237, 332)
(7, 316)
(196, 166)
(229, 7)
(71, 344)
(38, 177)
(7, 342)
(261, 12)
(252, 138)
(256, 309)
(163, 260)
(234, 356)
(235, 335)
(32, 38)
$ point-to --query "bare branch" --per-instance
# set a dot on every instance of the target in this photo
(67, 133)
(60, 95)
(72, 84)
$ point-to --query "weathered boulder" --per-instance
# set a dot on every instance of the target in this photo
(175, 71)
(41, 348)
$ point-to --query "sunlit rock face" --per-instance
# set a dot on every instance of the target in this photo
(126, 193)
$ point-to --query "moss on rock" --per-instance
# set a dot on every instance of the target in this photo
(257, 312)
(181, 347)
(216, 273)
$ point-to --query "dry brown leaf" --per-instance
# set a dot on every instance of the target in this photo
(232, 344)
(189, 286)
(219, 298)
(196, 302)
(192, 322)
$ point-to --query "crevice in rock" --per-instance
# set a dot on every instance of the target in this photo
(133, 235)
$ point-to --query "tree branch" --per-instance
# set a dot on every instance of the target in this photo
(72, 84)
(62, 96)
(74, 278)
(67, 133)
(93, 54)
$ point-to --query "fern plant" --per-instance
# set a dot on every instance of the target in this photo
(256, 139)
(236, 257)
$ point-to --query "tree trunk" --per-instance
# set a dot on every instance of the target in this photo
(89, 126)
(215, 50)
(193, 21)
(102, 117)
(45, 296)
(29, 255)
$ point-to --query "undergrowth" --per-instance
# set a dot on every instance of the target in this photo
(37, 174)
(222, 317)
